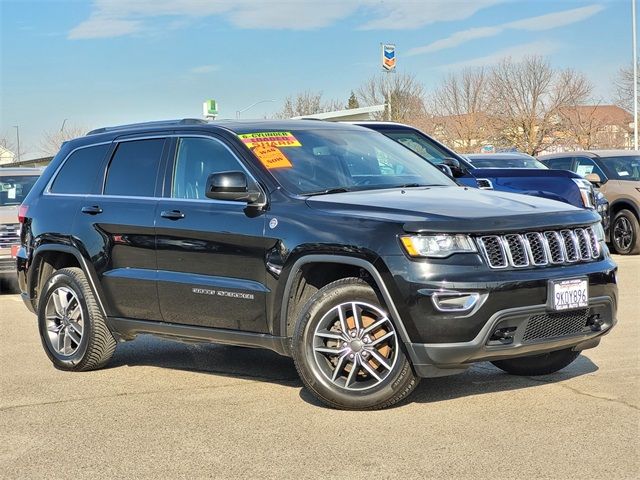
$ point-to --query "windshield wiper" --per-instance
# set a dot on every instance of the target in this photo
(410, 185)
(328, 191)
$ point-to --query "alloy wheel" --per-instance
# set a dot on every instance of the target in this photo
(622, 233)
(355, 346)
(64, 321)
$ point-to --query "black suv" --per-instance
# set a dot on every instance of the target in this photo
(327, 242)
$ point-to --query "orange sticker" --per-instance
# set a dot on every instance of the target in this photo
(271, 157)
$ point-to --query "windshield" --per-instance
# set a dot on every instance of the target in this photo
(623, 168)
(14, 189)
(493, 162)
(316, 161)
(419, 144)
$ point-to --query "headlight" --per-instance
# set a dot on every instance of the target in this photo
(586, 192)
(438, 246)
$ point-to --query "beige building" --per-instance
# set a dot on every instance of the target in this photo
(6, 156)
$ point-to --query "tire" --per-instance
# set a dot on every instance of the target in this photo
(384, 375)
(625, 233)
(538, 364)
(72, 327)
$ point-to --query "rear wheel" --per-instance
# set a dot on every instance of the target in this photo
(347, 350)
(625, 233)
(72, 327)
(537, 364)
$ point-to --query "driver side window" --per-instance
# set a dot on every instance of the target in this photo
(196, 159)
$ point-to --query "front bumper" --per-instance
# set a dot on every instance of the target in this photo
(441, 343)
(534, 330)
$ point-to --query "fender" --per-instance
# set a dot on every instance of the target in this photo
(358, 262)
(84, 265)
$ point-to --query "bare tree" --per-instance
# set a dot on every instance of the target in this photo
(598, 126)
(53, 139)
(623, 88)
(459, 107)
(405, 92)
(526, 99)
(307, 103)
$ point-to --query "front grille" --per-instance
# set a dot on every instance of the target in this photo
(557, 324)
(540, 248)
(9, 234)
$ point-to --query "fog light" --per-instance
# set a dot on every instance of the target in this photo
(454, 301)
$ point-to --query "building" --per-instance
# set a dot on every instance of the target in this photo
(6, 156)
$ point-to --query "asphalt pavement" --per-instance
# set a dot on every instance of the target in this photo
(169, 410)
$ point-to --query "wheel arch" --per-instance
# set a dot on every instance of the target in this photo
(359, 263)
(60, 256)
(624, 204)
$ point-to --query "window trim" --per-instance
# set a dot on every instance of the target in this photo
(577, 160)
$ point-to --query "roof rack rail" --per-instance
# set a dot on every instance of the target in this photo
(159, 123)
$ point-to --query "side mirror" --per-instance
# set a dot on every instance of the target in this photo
(231, 186)
(454, 166)
(445, 169)
(593, 178)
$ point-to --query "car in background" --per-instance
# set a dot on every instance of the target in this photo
(617, 174)
(557, 185)
(504, 160)
(15, 184)
(522, 160)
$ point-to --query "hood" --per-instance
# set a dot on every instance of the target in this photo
(8, 214)
(521, 172)
(454, 209)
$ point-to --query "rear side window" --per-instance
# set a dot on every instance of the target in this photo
(560, 163)
(134, 168)
(79, 172)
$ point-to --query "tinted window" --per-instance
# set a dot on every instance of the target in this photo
(196, 159)
(79, 172)
(14, 188)
(134, 168)
(623, 168)
(587, 166)
(559, 163)
(509, 162)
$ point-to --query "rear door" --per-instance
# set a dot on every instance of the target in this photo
(211, 253)
(117, 227)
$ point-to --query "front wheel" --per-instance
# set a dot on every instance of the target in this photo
(537, 364)
(625, 233)
(347, 350)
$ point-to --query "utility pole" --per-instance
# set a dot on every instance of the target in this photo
(17, 127)
(635, 76)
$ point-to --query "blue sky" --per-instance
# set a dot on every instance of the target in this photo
(106, 62)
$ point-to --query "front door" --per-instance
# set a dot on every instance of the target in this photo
(211, 254)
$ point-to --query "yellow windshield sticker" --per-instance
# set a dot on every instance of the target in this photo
(271, 157)
(276, 139)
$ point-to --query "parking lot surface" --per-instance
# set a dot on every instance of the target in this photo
(170, 410)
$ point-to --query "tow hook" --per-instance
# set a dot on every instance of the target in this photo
(595, 322)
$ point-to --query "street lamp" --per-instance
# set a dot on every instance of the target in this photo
(238, 112)
(17, 127)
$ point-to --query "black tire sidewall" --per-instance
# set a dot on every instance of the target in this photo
(61, 279)
(635, 228)
(321, 303)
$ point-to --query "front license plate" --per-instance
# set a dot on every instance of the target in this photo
(568, 294)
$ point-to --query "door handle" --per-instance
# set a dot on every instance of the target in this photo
(172, 214)
(92, 210)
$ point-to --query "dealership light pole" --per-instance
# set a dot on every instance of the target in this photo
(635, 76)
(238, 112)
(17, 127)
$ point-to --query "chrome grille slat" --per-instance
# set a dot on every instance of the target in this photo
(9, 234)
(520, 250)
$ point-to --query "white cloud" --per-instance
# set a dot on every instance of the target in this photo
(112, 18)
(538, 23)
(205, 69)
(515, 53)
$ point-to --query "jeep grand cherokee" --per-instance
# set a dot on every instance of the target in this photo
(327, 242)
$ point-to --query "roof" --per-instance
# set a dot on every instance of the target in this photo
(354, 114)
(605, 114)
(20, 171)
(591, 153)
(499, 156)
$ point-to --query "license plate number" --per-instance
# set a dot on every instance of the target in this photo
(569, 294)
